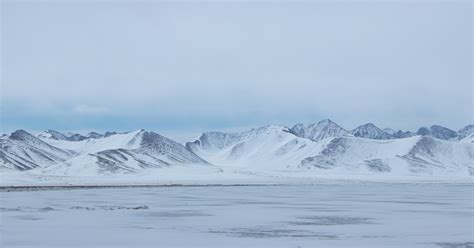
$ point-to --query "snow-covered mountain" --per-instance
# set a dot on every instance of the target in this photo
(437, 132)
(370, 131)
(318, 131)
(323, 148)
(275, 147)
(130, 152)
(442, 132)
(419, 155)
(22, 151)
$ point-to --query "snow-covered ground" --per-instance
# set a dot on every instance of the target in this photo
(192, 175)
(321, 215)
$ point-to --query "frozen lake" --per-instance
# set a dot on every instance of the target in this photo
(325, 215)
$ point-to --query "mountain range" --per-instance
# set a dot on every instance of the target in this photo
(314, 149)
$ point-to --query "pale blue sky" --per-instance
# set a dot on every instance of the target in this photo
(173, 66)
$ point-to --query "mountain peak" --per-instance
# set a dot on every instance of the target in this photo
(326, 121)
(423, 131)
(23, 151)
(441, 132)
(22, 135)
(53, 134)
(269, 128)
(318, 131)
(56, 135)
(107, 134)
(370, 131)
(370, 124)
(437, 131)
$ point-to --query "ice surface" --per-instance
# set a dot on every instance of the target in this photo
(322, 215)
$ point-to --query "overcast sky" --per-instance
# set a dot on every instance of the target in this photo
(192, 66)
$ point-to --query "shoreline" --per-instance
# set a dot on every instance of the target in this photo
(72, 187)
(22, 188)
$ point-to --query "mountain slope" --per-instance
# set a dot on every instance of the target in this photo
(318, 131)
(420, 155)
(272, 147)
(466, 131)
(468, 139)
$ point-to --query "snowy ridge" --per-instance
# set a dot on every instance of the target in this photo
(318, 131)
(398, 134)
(403, 134)
(389, 130)
(270, 146)
(70, 136)
(438, 132)
(419, 155)
(23, 151)
(129, 140)
(55, 135)
(370, 131)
